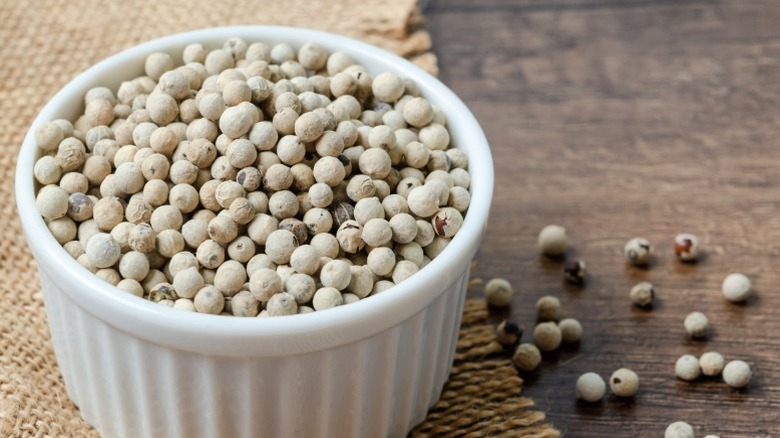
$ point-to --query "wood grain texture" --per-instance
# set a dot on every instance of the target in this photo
(632, 118)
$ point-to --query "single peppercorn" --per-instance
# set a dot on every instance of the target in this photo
(547, 336)
(548, 308)
(571, 330)
(574, 272)
(498, 292)
(679, 429)
(642, 294)
(552, 240)
(737, 374)
(508, 333)
(590, 387)
(696, 324)
(638, 251)
(527, 357)
(686, 247)
(687, 367)
(736, 287)
(711, 363)
(624, 383)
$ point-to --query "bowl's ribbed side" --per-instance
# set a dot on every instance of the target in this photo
(380, 386)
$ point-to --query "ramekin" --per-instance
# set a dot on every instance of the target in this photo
(371, 368)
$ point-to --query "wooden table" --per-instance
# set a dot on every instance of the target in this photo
(617, 119)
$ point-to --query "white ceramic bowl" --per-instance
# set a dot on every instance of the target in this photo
(371, 368)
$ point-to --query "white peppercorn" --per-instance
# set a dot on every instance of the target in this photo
(686, 247)
(571, 330)
(696, 324)
(74, 248)
(195, 232)
(423, 201)
(184, 304)
(552, 240)
(624, 383)
(642, 294)
(265, 283)
(110, 276)
(142, 238)
(134, 265)
(508, 333)
(327, 298)
(188, 282)
(169, 242)
(281, 304)
(335, 273)
(395, 204)
(330, 171)
(359, 187)
(436, 246)
(209, 300)
(347, 298)
(403, 270)
(590, 387)
(547, 336)
(362, 281)
(446, 222)
(381, 261)
(418, 112)
(83, 260)
(210, 254)
(283, 204)
(131, 286)
(498, 292)
(527, 357)
(63, 229)
(305, 259)
(737, 374)
(242, 211)
(325, 244)
(300, 286)
(280, 245)
(381, 286)
(80, 207)
(52, 202)
(436, 137)
(222, 229)
(230, 277)
(387, 87)
(711, 363)
(376, 232)
(687, 367)
(638, 251)
(102, 250)
(244, 304)
(679, 429)
(46, 170)
(548, 308)
(736, 287)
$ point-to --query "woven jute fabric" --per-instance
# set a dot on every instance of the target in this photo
(43, 45)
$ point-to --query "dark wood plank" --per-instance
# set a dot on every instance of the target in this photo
(618, 119)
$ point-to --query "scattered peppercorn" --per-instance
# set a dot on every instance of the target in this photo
(547, 308)
(498, 292)
(696, 324)
(679, 429)
(527, 357)
(552, 240)
(624, 383)
(508, 333)
(687, 367)
(571, 330)
(574, 272)
(736, 287)
(737, 374)
(711, 363)
(590, 387)
(686, 247)
(642, 294)
(638, 251)
(547, 336)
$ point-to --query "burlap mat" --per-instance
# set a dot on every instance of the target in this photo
(44, 44)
